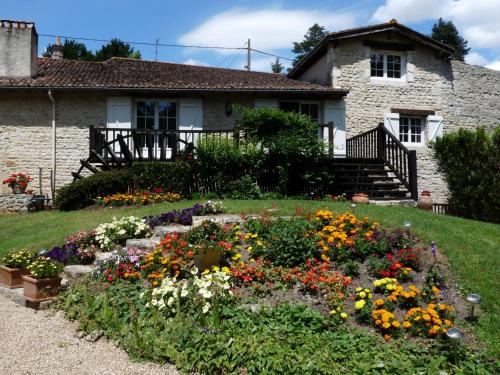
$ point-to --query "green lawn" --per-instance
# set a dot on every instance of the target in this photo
(472, 247)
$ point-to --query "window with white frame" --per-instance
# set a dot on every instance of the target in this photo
(305, 108)
(156, 114)
(386, 65)
(411, 129)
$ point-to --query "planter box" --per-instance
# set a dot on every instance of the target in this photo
(12, 277)
(38, 290)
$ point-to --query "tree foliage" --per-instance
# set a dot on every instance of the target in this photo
(277, 66)
(313, 36)
(447, 33)
(72, 50)
(471, 166)
(116, 48)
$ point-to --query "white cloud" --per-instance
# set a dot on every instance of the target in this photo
(477, 20)
(268, 28)
(475, 58)
(494, 65)
(195, 62)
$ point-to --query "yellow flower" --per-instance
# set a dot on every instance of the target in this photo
(236, 256)
(386, 325)
(343, 315)
(332, 312)
(360, 304)
(406, 324)
(396, 324)
(362, 294)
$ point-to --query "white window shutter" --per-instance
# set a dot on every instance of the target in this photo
(267, 103)
(119, 112)
(435, 124)
(334, 110)
(190, 114)
(391, 123)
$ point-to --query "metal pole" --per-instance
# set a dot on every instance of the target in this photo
(249, 56)
(40, 179)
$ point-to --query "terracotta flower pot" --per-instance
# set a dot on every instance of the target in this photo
(37, 290)
(12, 277)
(425, 201)
(360, 198)
(207, 258)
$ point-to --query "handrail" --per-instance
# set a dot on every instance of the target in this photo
(380, 144)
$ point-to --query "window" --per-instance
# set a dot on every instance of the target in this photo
(386, 65)
(411, 129)
(156, 114)
(310, 109)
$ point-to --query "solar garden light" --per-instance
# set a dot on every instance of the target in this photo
(474, 300)
(353, 206)
(407, 224)
(454, 335)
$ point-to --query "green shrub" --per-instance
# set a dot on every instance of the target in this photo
(244, 188)
(470, 163)
(289, 242)
(171, 176)
(81, 193)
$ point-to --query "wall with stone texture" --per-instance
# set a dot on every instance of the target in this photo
(465, 95)
(214, 111)
(14, 202)
(26, 139)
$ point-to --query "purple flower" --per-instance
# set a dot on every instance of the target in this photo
(433, 249)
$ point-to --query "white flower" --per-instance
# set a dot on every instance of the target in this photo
(206, 307)
(194, 270)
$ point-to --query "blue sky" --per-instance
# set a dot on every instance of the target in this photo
(272, 25)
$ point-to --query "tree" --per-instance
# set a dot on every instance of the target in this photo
(116, 48)
(447, 33)
(72, 50)
(314, 35)
(277, 66)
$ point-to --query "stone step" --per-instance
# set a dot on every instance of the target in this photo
(393, 202)
(219, 219)
(142, 243)
(76, 271)
(162, 230)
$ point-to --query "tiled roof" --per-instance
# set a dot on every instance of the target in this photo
(123, 73)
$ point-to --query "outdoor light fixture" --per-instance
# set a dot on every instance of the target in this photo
(455, 335)
(407, 224)
(228, 109)
(353, 206)
(474, 300)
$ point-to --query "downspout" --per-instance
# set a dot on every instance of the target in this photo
(53, 173)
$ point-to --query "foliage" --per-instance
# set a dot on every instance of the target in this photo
(82, 192)
(79, 248)
(142, 198)
(123, 264)
(116, 48)
(447, 33)
(277, 66)
(289, 242)
(72, 50)
(119, 230)
(470, 164)
(171, 176)
(45, 268)
(243, 188)
(314, 35)
(18, 259)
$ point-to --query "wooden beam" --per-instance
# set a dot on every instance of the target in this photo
(129, 158)
(413, 112)
(101, 160)
(89, 166)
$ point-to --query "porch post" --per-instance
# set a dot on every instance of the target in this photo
(412, 174)
(330, 139)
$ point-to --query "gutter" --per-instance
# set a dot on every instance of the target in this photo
(53, 172)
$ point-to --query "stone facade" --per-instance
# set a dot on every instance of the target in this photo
(25, 133)
(214, 111)
(464, 95)
(14, 202)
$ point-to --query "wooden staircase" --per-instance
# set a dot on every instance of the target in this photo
(368, 176)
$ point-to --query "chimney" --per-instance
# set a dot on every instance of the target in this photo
(18, 49)
(57, 50)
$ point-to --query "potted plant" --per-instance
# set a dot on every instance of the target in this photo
(44, 282)
(425, 201)
(14, 267)
(360, 198)
(18, 182)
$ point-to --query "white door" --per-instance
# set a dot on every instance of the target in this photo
(119, 116)
(190, 118)
(334, 110)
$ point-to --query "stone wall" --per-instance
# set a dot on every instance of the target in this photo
(464, 95)
(14, 202)
(26, 138)
(214, 111)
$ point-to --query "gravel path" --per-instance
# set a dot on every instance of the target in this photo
(43, 342)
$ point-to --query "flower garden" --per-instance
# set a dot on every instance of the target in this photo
(316, 292)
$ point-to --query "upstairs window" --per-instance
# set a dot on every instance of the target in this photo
(384, 65)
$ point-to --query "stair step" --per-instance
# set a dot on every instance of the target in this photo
(379, 192)
(142, 243)
(162, 230)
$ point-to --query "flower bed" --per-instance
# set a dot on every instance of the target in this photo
(137, 198)
(278, 290)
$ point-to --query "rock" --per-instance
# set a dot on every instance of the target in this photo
(94, 335)
(79, 335)
(162, 231)
(142, 243)
(101, 256)
(396, 202)
(219, 219)
(77, 270)
(253, 307)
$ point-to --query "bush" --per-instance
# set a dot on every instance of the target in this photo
(470, 163)
(244, 188)
(81, 193)
(171, 176)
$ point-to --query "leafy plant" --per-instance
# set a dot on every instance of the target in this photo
(45, 268)
(18, 259)
(244, 188)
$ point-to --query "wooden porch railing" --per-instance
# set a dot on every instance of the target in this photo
(379, 144)
(113, 145)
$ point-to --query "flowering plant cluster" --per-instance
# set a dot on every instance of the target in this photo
(45, 268)
(18, 180)
(123, 264)
(430, 320)
(387, 322)
(137, 198)
(185, 216)
(18, 259)
(119, 230)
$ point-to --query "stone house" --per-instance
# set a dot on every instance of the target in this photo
(355, 78)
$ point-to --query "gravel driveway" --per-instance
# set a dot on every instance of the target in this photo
(43, 342)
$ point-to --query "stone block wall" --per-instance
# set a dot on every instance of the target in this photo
(14, 202)
(214, 111)
(26, 138)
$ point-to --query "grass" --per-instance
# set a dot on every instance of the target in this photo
(472, 247)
